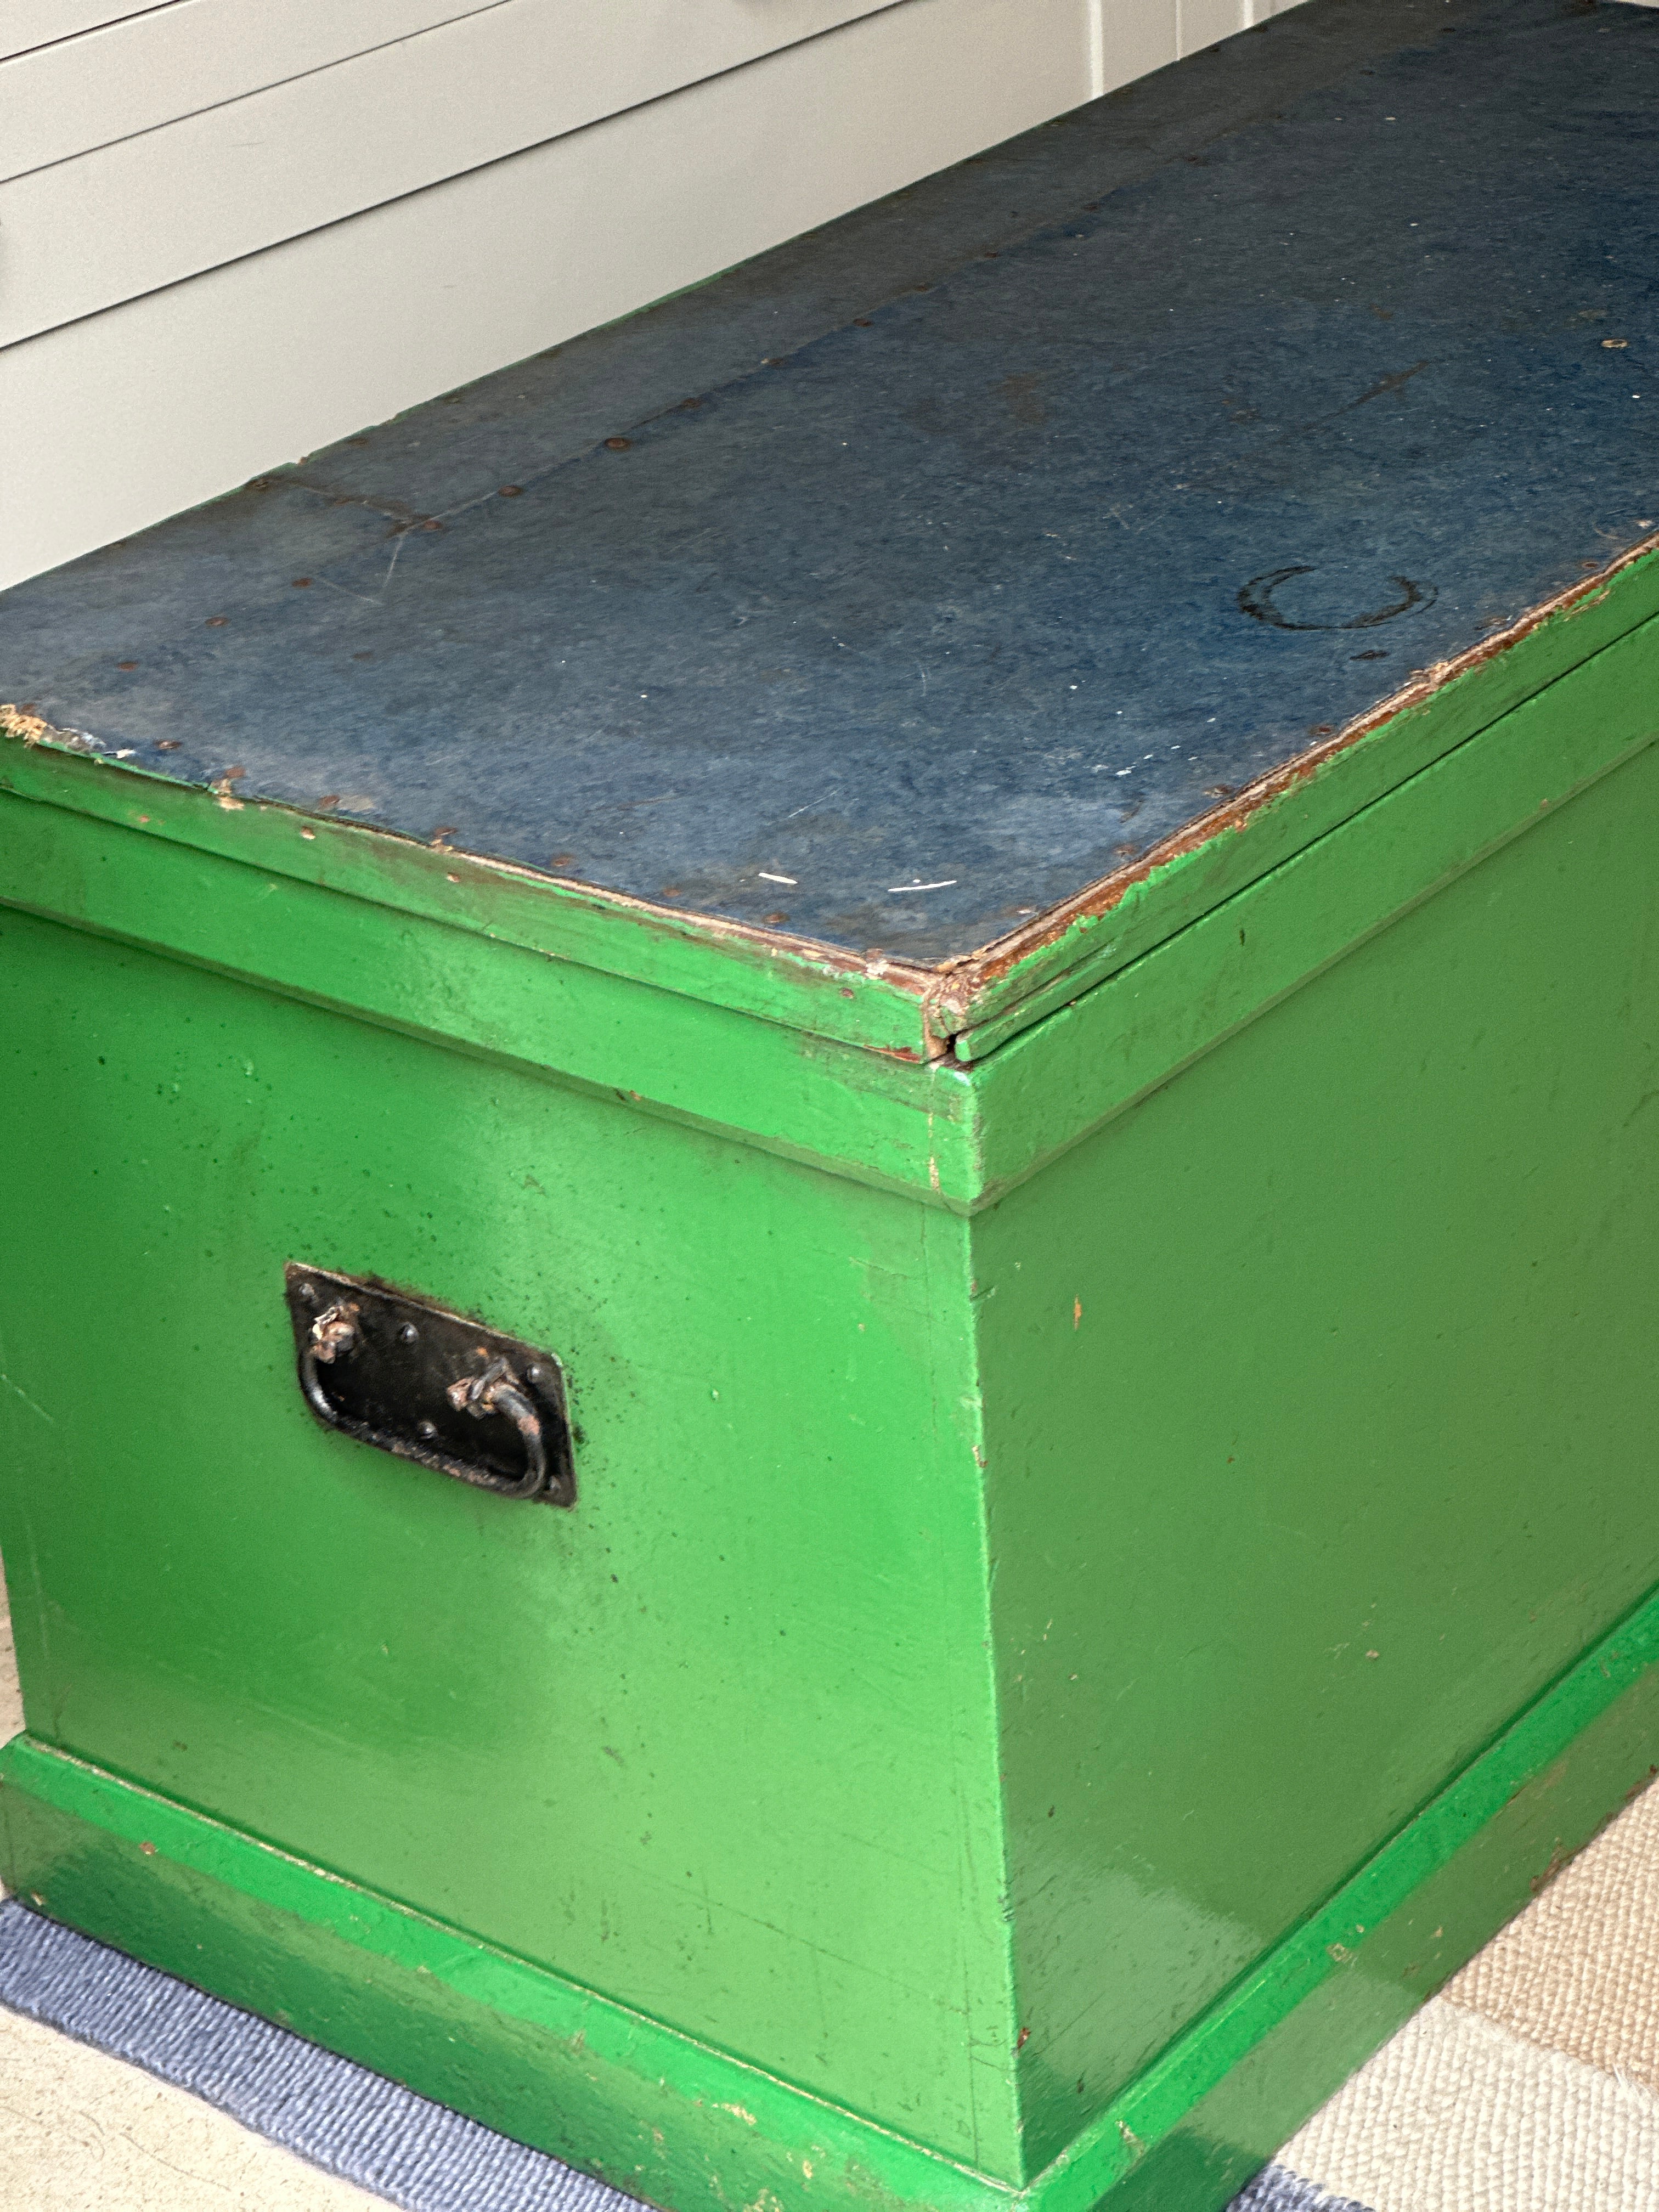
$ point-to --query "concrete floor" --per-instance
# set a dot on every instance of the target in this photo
(81, 2132)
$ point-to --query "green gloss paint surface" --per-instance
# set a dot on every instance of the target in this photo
(949, 1710)
(1262, 1583)
(719, 1740)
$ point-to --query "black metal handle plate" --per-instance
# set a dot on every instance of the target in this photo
(413, 1378)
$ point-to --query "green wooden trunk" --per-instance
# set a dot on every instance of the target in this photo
(1114, 1539)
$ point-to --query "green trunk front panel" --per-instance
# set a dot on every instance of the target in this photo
(719, 1743)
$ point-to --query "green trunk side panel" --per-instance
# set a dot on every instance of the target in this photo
(719, 1743)
(1320, 1421)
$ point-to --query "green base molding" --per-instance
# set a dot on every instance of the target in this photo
(682, 2124)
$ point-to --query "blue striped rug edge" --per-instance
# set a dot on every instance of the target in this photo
(329, 2111)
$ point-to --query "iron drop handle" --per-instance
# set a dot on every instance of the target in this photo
(406, 1375)
(332, 1334)
(498, 1390)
